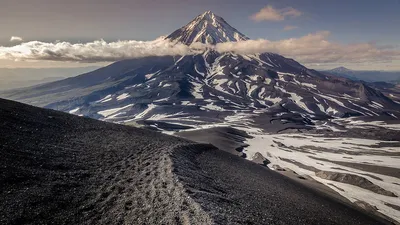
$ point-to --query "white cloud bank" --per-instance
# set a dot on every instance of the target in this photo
(316, 48)
(269, 13)
(96, 51)
(16, 39)
(312, 48)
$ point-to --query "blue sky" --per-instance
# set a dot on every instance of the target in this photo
(348, 21)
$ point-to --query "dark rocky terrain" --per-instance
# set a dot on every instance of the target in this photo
(224, 138)
(262, 107)
(62, 169)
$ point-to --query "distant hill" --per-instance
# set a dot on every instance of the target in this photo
(365, 75)
(12, 78)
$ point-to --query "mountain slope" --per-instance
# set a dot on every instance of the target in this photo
(210, 87)
(62, 169)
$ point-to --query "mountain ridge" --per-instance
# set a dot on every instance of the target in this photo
(62, 169)
(365, 75)
(208, 87)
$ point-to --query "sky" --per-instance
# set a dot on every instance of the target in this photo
(352, 28)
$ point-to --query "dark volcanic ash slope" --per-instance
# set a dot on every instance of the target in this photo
(62, 169)
(57, 168)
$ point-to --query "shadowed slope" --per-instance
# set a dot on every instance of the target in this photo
(62, 169)
(237, 191)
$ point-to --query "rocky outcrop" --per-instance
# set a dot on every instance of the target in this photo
(367, 207)
(278, 168)
(260, 159)
(354, 180)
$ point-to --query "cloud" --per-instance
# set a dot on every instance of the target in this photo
(315, 48)
(269, 13)
(15, 38)
(289, 27)
(96, 51)
(310, 49)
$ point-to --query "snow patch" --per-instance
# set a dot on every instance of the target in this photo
(108, 112)
(74, 110)
(123, 96)
(105, 99)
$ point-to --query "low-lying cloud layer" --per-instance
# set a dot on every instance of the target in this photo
(312, 48)
(315, 48)
(96, 51)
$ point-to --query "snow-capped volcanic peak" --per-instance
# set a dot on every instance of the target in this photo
(207, 28)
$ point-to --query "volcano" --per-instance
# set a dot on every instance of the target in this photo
(207, 28)
(209, 87)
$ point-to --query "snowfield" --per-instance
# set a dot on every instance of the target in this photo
(280, 149)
